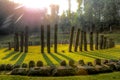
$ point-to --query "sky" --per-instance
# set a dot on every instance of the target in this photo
(45, 3)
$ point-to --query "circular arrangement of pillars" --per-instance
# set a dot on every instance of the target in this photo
(81, 41)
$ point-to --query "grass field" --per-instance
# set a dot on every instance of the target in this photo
(12, 57)
(106, 76)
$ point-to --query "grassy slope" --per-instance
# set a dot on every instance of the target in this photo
(108, 76)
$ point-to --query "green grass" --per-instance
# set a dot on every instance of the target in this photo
(11, 57)
(108, 76)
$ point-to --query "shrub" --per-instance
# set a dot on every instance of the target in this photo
(19, 71)
(9, 67)
(31, 64)
(41, 71)
(16, 66)
(39, 64)
(64, 71)
(81, 62)
(63, 63)
(2, 67)
(71, 63)
(24, 65)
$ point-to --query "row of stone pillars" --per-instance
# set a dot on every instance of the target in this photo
(48, 38)
(102, 43)
(22, 43)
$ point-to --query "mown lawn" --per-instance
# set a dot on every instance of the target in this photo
(11, 57)
(107, 76)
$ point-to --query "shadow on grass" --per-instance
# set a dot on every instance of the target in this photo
(84, 54)
(101, 55)
(55, 57)
(49, 62)
(9, 55)
(68, 58)
(6, 50)
(15, 57)
(21, 59)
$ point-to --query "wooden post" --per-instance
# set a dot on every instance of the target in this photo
(21, 41)
(91, 40)
(48, 38)
(81, 41)
(71, 39)
(85, 41)
(96, 40)
(101, 41)
(77, 40)
(26, 39)
(42, 39)
(55, 38)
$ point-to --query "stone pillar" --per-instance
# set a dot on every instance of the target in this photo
(9, 46)
(101, 41)
(71, 39)
(42, 39)
(85, 41)
(16, 42)
(55, 38)
(21, 41)
(104, 42)
(48, 38)
(81, 41)
(26, 39)
(96, 40)
(91, 40)
(77, 40)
